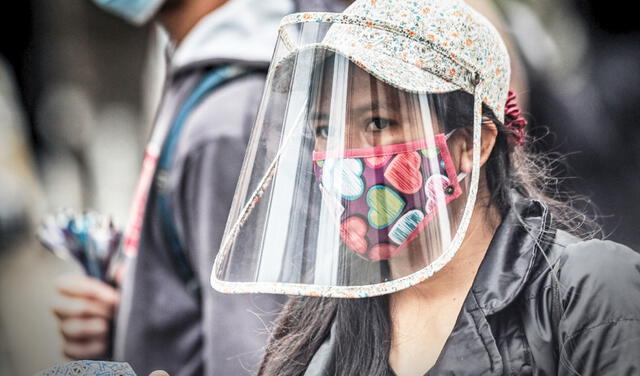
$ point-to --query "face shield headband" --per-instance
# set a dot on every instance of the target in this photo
(286, 232)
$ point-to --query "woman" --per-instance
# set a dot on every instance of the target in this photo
(387, 180)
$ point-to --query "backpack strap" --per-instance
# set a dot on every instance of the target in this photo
(212, 80)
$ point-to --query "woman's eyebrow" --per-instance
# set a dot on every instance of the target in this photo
(357, 111)
(316, 116)
(371, 107)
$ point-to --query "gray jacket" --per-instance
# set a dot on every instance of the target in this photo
(160, 323)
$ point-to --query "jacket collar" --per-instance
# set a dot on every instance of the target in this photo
(511, 256)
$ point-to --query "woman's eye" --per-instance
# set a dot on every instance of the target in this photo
(322, 131)
(377, 124)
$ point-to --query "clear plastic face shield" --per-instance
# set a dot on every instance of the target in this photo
(349, 187)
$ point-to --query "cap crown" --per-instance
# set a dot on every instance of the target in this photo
(456, 28)
(430, 46)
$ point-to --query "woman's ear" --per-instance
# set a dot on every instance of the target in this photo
(463, 146)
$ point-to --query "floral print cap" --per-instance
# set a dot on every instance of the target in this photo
(432, 46)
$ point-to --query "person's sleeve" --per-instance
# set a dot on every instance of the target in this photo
(600, 326)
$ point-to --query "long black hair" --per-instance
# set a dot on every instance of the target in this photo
(362, 327)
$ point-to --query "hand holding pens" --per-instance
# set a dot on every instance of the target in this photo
(90, 238)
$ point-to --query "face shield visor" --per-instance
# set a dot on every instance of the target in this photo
(349, 187)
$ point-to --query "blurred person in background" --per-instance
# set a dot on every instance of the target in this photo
(217, 65)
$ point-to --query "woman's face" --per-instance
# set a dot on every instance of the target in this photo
(376, 114)
(386, 197)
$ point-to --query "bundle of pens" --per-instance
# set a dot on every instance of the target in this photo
(90, 238)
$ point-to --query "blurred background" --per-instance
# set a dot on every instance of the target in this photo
(78, 89)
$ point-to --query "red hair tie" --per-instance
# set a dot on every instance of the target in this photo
(514, 121)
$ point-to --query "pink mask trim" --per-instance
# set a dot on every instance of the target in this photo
(377, 151)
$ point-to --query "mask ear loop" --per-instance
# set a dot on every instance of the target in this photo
(461, 175)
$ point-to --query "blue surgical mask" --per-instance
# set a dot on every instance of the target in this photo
(137, 12)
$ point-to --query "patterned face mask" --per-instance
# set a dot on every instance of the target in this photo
(384, 196)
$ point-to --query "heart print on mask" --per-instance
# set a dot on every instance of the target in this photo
(343, 177)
